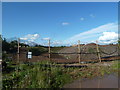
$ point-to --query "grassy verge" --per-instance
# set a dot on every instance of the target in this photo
(41, 75)
(36, 75)
(97, 69)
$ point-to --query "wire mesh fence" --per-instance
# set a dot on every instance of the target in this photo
(85, 53)
(72, 53)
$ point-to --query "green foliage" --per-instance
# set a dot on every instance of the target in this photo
(36, 76)
(119, 41)
(6, 61)
(116, 65)
(58, 77)
(5, 45)
(36, 51)
(91, 50)
(39, 75)
(24, 45)
(11, 47)
(4, 56)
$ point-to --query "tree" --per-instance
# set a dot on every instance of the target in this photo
(23, 45)
(13, 46)
(119, 41)
(5, 45)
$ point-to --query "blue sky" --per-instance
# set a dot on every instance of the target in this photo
(63, 23)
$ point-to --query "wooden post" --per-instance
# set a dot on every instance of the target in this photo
(18, 52)
(79, 50)
(98, 52)
(49, 48)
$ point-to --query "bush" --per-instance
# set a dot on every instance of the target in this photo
(5, 61)
(36, 76)
(36, 51)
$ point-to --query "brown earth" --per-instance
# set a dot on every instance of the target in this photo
(107, 52)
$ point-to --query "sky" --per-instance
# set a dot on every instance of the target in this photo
(63, 23)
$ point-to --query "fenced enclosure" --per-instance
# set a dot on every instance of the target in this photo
(77, 53)
(88, 53)
(55, 66)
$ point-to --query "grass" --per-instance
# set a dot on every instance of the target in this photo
(35, 75)
(42, 75)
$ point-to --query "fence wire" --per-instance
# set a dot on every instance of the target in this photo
(71, 53)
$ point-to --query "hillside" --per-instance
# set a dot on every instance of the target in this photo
(88, 52)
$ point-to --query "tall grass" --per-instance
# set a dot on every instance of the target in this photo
(42, 75)
(36, 75)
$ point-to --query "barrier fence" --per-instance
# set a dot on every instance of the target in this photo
(77, 53)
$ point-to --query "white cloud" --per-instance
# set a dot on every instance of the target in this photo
(46, 38)
(57, 42)
(23, 38)
(82, 19)
(30, 37)
(91, 15)
(108, 37)
(108, 42)
(94, 33)
(65, 23)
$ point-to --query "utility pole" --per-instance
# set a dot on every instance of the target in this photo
(98, 52)
(79, 50)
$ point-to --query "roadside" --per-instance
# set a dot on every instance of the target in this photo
(38, 75)
(98, 75)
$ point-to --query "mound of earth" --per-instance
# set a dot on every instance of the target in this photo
(89, 52)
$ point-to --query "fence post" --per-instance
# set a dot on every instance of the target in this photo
(79, 50)
(98, 52)
(49, 48)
